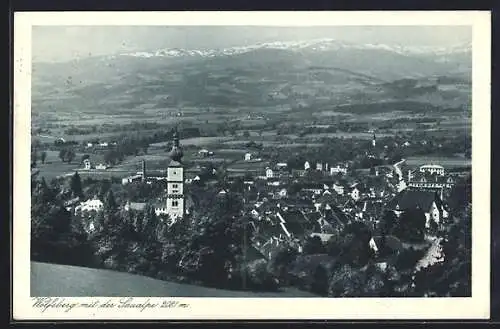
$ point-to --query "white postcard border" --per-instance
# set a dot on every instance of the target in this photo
(478, 306)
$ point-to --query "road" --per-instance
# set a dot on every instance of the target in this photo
(51, 280)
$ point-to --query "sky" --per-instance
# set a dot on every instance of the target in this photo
(62, 43)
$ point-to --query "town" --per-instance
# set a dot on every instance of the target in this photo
(289, 223)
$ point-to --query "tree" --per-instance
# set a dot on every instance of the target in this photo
(76, 185)
(346, 282)
(314, 245)
(258, 276)
(55, 237)
(110, 205)
(34, 157)
(453, 276)
(246, 134)
(280, 260)
(211, 245)
(84, 157)
(43, 156)
(320, 281)
(67, 155)
(334, 245)
(104, 187)
(62, 155)
(70, 155)
(411, 226)
(150, 224)
(355, 248)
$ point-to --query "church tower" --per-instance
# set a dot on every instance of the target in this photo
(374, 141)
(175, 182)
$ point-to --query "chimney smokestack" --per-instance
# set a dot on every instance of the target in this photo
(144, 170)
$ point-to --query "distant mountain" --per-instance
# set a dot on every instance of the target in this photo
(266, 74)
(303, 46)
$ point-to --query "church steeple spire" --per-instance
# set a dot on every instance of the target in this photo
(176, 152)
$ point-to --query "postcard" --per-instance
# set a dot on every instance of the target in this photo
(251, 165)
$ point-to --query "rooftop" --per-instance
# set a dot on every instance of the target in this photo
(411, 199)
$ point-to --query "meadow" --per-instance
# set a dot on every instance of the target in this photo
(446, 162)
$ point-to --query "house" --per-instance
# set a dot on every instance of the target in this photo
(283, 193)
(338, 170)
(325, 199)
(101, 166)
(136, 206)
(248, 156)
(269, 173)
(334, 216)
(204, 152)
(294, 224)
(88, 206)
(273, 181)
(432, 169)
(355, 192)
(339, 189)
(307, 165)
(131, 179)
(71, 203)
(319, 166)
(428, 201)
(298, 172)
(87, 164)
(431, 181)
(316, 188)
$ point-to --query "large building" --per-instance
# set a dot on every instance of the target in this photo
(175, 206)
(432, 169)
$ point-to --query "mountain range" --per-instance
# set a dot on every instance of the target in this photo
(265, 74)
(306, 46)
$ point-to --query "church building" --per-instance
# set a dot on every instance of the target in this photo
(175, 207)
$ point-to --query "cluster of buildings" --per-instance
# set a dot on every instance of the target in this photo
(290, 205)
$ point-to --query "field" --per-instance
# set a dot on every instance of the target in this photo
(61, 280)
(198, 141)
(446, 162)
(357, 135)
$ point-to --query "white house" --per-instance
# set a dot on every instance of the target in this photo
(319, 166)
(338, 188)
(87, 164)
(307, 166)
(89, 205)
(338, 169)
(101, 166)
(131, 179)
(248, 156)
(355, 194)
(269, 173)
(432, 169)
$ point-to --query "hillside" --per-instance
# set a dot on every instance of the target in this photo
(70, 281)
(306, 74)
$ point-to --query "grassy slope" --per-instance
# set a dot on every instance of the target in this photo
(65, 281)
